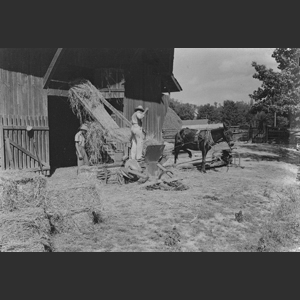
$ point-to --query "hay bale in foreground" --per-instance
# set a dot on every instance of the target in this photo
(74, 208)
(25, 231)
(21, 190)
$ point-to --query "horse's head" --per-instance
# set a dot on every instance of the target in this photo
(228, 136)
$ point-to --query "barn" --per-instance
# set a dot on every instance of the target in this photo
(34, 84)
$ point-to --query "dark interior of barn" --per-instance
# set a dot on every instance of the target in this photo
(63, 126)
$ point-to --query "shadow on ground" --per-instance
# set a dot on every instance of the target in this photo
(268, 152)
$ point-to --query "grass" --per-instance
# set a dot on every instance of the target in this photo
(134, 219)
(281, 229)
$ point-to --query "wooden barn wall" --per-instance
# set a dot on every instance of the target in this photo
(153, 122)
(23, 102)
(143, 87)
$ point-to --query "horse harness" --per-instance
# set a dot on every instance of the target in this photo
(207, 137)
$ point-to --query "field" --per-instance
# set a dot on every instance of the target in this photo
(204, 218)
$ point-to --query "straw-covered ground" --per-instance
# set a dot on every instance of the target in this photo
(254, 208)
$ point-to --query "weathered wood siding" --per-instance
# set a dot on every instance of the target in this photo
(154, 120)
(23, 102)
(143, 87)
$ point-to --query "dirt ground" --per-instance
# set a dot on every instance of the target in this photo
(199, 219)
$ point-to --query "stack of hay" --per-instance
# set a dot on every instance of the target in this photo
(24, 225)
(73, 209)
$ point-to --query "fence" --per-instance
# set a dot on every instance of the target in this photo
(19, 149)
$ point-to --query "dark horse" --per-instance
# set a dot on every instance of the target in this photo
(203, 141)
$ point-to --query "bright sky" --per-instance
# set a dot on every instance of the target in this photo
(209, 75)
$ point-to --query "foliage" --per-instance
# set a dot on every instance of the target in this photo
(210, 112)
(233, 113)
(280, 90)
(185, 111)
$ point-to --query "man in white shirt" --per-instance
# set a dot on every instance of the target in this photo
(82, 158)
(137, 133)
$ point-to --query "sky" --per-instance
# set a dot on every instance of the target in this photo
(209, 75)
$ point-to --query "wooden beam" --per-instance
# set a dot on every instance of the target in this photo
(52, 67)
(59, 93)
(12, 127)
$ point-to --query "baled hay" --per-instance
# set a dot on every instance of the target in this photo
(73, 196)
(75, 208)
(25, 231)
(74, 221)
(20, 192)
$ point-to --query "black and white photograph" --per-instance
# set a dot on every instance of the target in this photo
(149, 150)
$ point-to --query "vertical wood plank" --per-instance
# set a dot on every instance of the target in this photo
(2, 91)
(39, 138)
(2, 158)
(5, 134)
(27, 144)
(35, 140)
(9, 153)
(23, 132)
(15, 139)
(47, 143)
(30, 96)
(43, 140)
(31, 143)
(25, 94)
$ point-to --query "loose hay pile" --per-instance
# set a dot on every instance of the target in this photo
(87, 103)
(167, 186)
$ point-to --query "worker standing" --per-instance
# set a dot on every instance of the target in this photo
(80, 140)
(137, 132)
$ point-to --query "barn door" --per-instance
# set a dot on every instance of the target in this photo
(17, 146)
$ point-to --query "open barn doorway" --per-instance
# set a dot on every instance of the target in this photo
(63, 125)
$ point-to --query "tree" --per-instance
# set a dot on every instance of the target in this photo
(244, 115)
(185, 111)
(229, 113)
(210, 112)
(280, 91)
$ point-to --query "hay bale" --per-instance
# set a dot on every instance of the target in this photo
(21, 190)
(75, 221)
(25, 231)
(73, 196)
(74, 208)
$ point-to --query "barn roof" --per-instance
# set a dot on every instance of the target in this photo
(64, 64)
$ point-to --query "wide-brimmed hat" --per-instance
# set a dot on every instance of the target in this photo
(84, 127)
(140, 107)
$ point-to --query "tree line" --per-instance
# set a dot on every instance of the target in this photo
(230, 112)
(276, 102)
